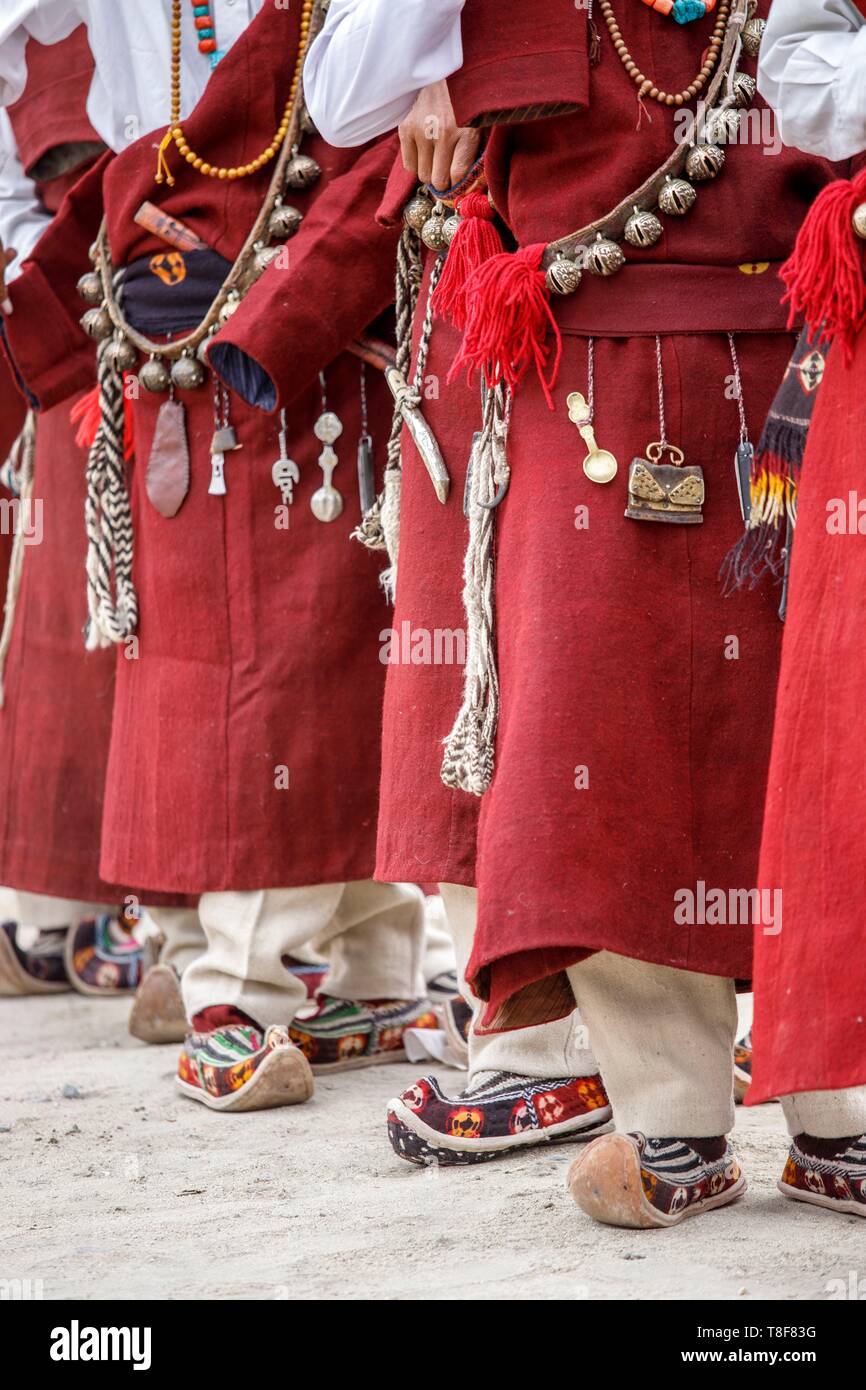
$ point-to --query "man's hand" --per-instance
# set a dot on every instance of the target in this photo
(6, 258)
(434, 147)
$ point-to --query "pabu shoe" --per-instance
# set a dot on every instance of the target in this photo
(339, 1035)
(157, 1014)
(503, 1113)
(839, 1184)
(742, 1067)
(241, 1067)
(629, 1180)
(41, 970)
(103, 957)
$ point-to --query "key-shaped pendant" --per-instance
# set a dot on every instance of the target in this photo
(366, 474)
(326, 502)
(600, 466)
(224, 441)
(285, 472)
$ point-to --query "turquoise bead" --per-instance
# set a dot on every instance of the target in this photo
(199, 10)
(684, 11)
(205, 33)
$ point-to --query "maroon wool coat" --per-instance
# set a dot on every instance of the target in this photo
(258, 648)
(54, 728)
(612, 640)
(810, 985)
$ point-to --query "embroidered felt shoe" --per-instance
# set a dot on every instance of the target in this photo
(241, 1067)
(339, 1035)
(41, 970)
(157, 1014)
(502, 1114)
(629, 1180)
(103, 956)
(838, 1184)
(742, 1067)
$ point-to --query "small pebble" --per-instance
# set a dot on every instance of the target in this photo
(70, 1092)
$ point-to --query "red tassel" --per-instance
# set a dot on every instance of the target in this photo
(824, 274)
(508, 318)
(86, 415)
(475, 241)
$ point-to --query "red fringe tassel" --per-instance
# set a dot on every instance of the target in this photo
(507, 321)
(824, 274)
(475, 242)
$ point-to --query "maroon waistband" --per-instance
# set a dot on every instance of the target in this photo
(670, 298)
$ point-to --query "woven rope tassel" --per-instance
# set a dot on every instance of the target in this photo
(380, 527)
(467, 764)
(19, 472)
(111, 598)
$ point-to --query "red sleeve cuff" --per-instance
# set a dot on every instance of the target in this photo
(50, 355)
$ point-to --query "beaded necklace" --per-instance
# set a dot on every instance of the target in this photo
(204, 23)
(175, 130)
(645, 85)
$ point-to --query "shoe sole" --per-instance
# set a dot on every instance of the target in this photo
(375, 1059)
(606, 1184)
(814, 1199)
(283, 1078)
(418, 1143)
(14, 980)
(157, 1014)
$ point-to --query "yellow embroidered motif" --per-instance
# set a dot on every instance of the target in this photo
(754, 267)
(169, 266)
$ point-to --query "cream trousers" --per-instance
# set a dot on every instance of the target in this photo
(371, 934)
(663, 1040)
(554, 1050)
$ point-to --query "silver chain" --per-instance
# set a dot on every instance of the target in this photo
(738, 387)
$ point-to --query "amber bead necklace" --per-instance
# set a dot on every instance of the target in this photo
(645, 85)
(175, 131)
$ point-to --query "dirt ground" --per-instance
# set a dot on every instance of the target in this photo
(115, 1186)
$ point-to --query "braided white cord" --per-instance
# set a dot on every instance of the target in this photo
(111, 598)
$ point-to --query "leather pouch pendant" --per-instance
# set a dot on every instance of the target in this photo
(167, 475)
(665, 491)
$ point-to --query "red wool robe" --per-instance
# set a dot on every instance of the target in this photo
(246, 733)
(54, 728)
(636, 701)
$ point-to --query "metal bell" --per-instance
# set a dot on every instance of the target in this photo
(722, 126)
(449, 230)
(745, 89)
(858, 221)
(187, 373)
(563, 277)
(302, 171)
(97, 324)
(230, 307)
(284, 222)
(433, 231)
(753, 32)
(263, 258)
(307, 124)
(676, 197)
(154, 375)
(123, 355)
(604, 257)
(705, 162)
(643, 228)
(90, 288)
(417, 211)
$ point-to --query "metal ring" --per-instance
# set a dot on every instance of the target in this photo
(500, 496)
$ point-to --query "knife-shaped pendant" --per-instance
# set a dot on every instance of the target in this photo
(422, 435)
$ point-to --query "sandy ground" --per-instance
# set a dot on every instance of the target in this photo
(121, 1188)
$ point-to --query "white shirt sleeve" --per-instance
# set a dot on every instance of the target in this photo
(371, 60)
(813, 73)
(49, 21)
(23, 219)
